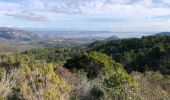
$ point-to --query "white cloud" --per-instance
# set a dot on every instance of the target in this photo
(34, 5)
(28, 16)
(116, 8)
(166, 1)
(6, 6)
(66, 10)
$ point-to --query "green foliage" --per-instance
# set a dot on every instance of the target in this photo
(143, 54)
(103, 78)
(37, 78)
(58, 55)
(45, 54)
(97, 92)
(97, 65)
(118, 82)
(94, 63)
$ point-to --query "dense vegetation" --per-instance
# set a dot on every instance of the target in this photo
(144, 54)
(130, 69)
(55, 55)
(34, 79)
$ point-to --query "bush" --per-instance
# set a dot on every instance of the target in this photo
(7, 82)
(152, 85)
(97, 92)
(94, 63)
(36, 80)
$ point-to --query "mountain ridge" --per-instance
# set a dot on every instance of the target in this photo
(164, 33)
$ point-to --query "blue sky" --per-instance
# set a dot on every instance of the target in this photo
(108, 15)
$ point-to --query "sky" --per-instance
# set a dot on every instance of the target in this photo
(96, 15)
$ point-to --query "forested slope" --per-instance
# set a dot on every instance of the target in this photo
(130, 69)
(144, 54)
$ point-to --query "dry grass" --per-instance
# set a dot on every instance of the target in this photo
(7, 82)
(69, 76)
(150, 87)
(47, 90)
(8, 48)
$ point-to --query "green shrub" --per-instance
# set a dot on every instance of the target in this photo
(97, 92)
(94, 63)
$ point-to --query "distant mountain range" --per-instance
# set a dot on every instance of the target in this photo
(111, 38)
(164, 33)
(48, 38)
(16, 34)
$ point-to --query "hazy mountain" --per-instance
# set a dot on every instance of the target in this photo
(164, 33)
(112, 38)
(48, 38)
(16, 34)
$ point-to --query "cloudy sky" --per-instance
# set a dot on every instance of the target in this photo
(112, 15)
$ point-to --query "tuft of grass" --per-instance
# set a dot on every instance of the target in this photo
(7, 82)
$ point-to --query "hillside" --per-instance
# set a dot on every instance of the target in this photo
(136, 69)
(16, 34)
(137, 54)
(9, 47)
(146, 53)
